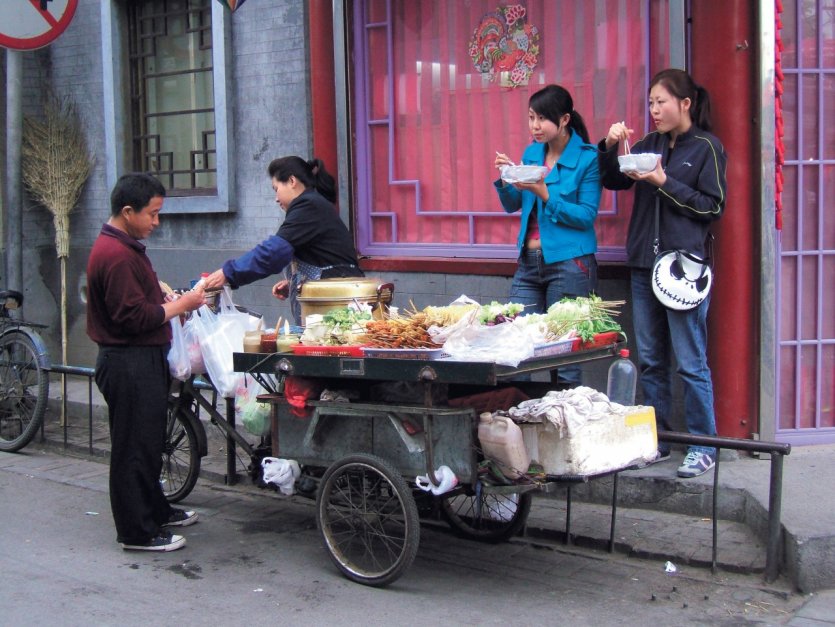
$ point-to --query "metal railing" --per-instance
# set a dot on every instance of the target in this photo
(775, 490)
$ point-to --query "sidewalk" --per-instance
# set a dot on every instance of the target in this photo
(658, 516)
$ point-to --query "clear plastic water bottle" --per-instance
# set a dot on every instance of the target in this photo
(623, 377)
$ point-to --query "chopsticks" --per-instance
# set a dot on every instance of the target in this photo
(625, 142)
(508, 161)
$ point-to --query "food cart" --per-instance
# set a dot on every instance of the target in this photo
(365, 454)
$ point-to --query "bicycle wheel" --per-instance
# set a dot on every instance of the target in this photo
(24, 390)
(486, 517)
(180, 456)
(368, 519)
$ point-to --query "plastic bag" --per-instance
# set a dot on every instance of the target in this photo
(220, 336)
(282, 473)
(250, 321)
(192, 345)
(254, 415)
(523, 173)
(504, 343)
(178, 360)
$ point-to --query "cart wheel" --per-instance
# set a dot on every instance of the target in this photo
(368, 519)
(486, 517)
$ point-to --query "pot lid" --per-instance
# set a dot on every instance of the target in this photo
(346, 287)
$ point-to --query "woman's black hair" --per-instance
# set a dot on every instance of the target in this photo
(552, 102)
(681, 85)
(311, 174)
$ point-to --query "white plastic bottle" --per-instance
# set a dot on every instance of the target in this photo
(623, 377)
(501, 441)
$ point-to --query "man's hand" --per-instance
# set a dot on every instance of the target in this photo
(215, 279)
(281, 290)
(188, 301)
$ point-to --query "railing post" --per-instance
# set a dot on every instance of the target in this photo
(775, 496)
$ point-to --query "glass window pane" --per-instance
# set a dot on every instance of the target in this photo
(462, 74)
(807, 387)
(790, 138)
(790, 204)
(809, 117)
(809, 301)
(828, 304)
(173, 93)
(828, 112)
(827, 386)
(788, 299)
(810, 204)
(788, 387)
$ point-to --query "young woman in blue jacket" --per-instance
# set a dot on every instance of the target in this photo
(556, 240)
(688, 186)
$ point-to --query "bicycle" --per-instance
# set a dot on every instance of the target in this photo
(24, 378)
(186, 442)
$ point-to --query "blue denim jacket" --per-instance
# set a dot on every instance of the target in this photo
(566, 221)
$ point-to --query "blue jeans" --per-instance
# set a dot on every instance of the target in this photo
(538, 285)
(657, 331)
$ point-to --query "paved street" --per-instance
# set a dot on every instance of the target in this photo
(256, 557)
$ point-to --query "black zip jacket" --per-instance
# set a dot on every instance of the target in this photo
(692, 197)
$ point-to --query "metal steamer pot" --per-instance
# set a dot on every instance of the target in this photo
(319, 297)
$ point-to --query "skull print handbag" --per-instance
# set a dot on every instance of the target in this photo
(680, 279)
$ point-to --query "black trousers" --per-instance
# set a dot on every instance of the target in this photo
(134, 381)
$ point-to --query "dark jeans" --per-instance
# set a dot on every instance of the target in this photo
(538, 285)
(134, 381)
(660, 333)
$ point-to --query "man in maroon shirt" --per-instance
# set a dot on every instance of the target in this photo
(127, 316)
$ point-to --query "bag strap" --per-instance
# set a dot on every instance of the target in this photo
(656, 243)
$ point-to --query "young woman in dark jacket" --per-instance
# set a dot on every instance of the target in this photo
(688, 186)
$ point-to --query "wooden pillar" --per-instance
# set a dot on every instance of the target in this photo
(322, 91)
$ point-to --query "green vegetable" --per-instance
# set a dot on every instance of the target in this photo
(587, 316)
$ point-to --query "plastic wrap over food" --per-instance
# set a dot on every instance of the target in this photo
(523, 173)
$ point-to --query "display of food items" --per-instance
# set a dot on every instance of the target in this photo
(405, 332)
(340, 326)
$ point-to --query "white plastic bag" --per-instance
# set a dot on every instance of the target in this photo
(220, 336)
(192, 344)
(249, 320)
(281, 472)
(178, 360)
(504, 343)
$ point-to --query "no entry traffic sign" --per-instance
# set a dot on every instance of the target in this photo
(30, 24)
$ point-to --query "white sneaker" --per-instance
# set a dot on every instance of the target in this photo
(695, 464)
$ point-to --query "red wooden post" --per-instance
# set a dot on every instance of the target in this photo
(725, 59)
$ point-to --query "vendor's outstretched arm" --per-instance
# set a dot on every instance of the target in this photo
(267, 258)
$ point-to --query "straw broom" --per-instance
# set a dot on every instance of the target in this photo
(55, 165)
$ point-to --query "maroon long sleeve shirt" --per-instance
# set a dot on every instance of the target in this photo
(124, 299)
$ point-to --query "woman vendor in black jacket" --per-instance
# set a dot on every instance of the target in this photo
(312, 241)
(688, 187)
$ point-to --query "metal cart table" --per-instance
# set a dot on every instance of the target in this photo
(368, 452)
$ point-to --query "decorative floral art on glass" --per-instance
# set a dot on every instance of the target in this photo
(505, 45)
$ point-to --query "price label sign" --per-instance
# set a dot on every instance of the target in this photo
(31, 24)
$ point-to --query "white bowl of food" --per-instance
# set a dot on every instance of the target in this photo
(523, 173)
(642, 162)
